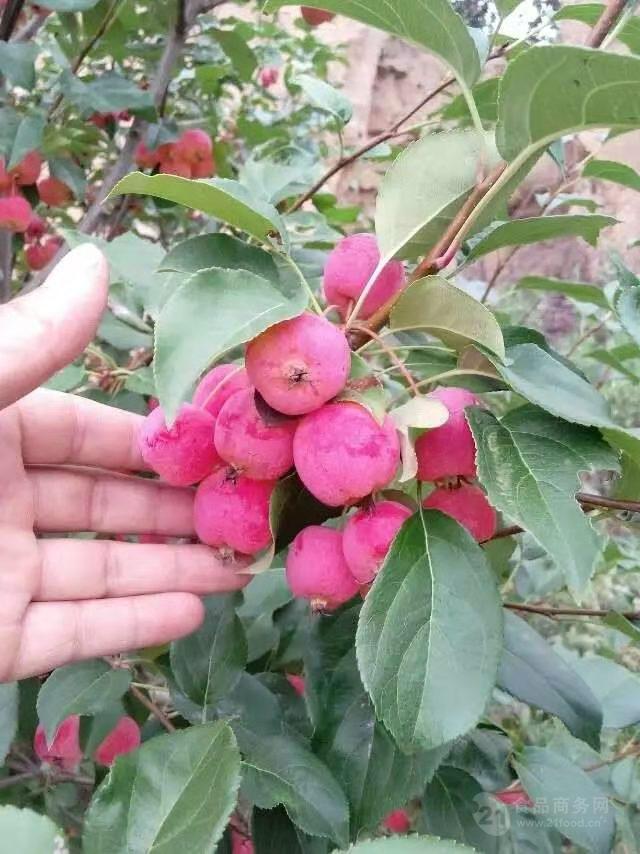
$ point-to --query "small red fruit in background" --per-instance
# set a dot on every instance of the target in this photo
(53, 192)
(348, 269)
(217, 386)
(448, 450)
(39, 253)
(368, 535)
(183, 454)
(241, 844)
(268, 76)
(469, 506)
(28, 170)
(64, 750)
(123, 738)
(299, 364)
(15, 213)
(144, 157)
(342, 454)
(297, 683)
(232, 511)
(317, 571)
(315, 17)
(398, 821)
(516, 797)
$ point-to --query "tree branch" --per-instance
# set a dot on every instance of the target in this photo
(9, 18)
(6, 263)
(152, 707)
(552, 611)
(612, 11)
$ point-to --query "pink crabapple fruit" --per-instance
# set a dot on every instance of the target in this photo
(39, 253)
(315, 17)
(297, 683)
(317, 571)
(123, 738)
(244, 440)
(53, 192)
(342, 454)
(217, 386)
(268, 76)
(398, 821)
(516, 797)
(184, 453)
(468, 505)
(231, 511)
(448, 450)
(27, 171)
(15, 213)
(368, 535)
(348, 269)
(299, 364)
(64, 750)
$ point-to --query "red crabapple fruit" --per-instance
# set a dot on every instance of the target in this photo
(342, 454)
(145, 157)
(27, 171)
(398, 821)
(299, 364)
(64, 751)
(315, 17)
(53, 192)
(184, 453)
(469, 506)
(15, 213)
(297, 683)
(268, 76)
(368, 535)
(123, 738)
(241, 844)
(217, 386)
(317, 570)
(348, 269)
(516, 797)
(39, 253)
(448, 450)
(232, 511)
(244, 440)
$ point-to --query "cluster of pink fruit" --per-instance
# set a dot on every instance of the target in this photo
(249, 426)
(190, 156)
(64, 751)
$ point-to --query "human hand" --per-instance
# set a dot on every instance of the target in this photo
(66, 465)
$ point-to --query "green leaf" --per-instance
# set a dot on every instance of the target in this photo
(375, 775)
(626, 300)
(578, 291)
(617, 688)
(613, 360)
(552, 90)
(27, 137)
(17, 63)
(70, 5)
(485, 94)
(410, 845)
(207, 663)
(609, 170)
(66, 379)
(485, 754)
(8, 716)
(531, 671)
(425, 187)
(267, 593)
(505, 7)
(430, 633)
(431, 24)
(175, 793)
(620, 623)
(365, 389)
(325, 97)
(68, 171)
(520, 232)
(218, 250)
(28, 832)
(273, 832)
(549, 777)
(529, 463)
(212, 312)
(108, 93)
(238, 51)
(279, 770)
(452, 806)
(221, 198)
(293, 508)
(83, 688)
(443, 310)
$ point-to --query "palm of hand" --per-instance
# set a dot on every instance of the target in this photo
(66, 465)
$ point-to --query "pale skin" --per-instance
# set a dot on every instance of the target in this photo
(68, 464)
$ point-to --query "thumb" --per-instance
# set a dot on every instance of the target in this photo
(43, 331)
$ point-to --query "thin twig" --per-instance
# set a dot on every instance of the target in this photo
(397, 361)
(148, 703)
(592, 330)
(612, 11)
(552, 611)
(6, 782)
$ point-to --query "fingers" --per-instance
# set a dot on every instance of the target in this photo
(47, 329)
(56, 633)
(102, 569)
(63, 429)
(66, 500)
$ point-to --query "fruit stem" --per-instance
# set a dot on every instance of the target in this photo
(397, 361)
(305, 284)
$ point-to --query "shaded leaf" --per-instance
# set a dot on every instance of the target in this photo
(273, 832)
(8, 716)
(578, 291)
(28, 832)
(17, 63)
(83, 688)
(325, 97)
(430, 633)
(108, 93)
(531, 671)
(617, 688)
(218, 250)
(609, 170)
(175, 793)
(410, 845)
(237, 50)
